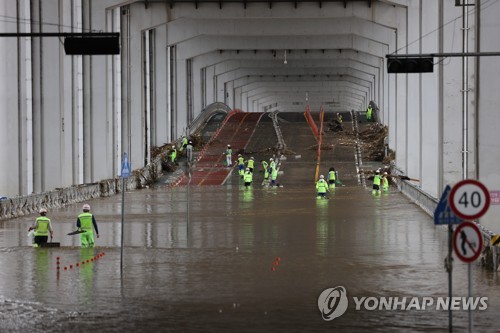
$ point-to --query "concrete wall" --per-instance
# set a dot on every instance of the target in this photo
(68, 119)
(485, 146)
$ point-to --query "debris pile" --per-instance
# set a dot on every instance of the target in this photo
(373, 141)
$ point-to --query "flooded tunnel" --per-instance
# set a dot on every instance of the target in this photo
(212, 255)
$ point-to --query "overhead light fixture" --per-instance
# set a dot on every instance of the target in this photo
(285, 62)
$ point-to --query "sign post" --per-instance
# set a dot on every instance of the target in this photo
(125, 174)
(444, 215)
(469, 199)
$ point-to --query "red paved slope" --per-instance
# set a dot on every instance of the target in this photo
(236, 131)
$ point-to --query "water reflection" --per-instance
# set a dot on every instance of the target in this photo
(41, 281)
(382, 246)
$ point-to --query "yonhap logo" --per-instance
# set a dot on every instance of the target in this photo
(332, 302)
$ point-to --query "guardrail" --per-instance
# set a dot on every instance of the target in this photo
(30, 204)
(206, 114)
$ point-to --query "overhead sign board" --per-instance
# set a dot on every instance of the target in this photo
(469, 199)
(443, 213)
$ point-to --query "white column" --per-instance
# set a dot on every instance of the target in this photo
(9, 107)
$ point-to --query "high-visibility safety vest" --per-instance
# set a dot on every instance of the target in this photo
(331, 175)
(266, 172)
(385, 183)
(321, 186)
(173, 156)
(247, 177)
(250, 164)
(85, 221)
(376, 180)
(272, 164)
(184, 141)
(229, 152)
(42, 226)
(241, 161)
(274, 173)
(339, 119)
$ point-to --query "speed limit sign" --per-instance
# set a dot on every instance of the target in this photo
(469, 199)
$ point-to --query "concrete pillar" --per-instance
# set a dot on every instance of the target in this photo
(10, 102)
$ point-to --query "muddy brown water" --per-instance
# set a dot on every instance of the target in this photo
(212, 270)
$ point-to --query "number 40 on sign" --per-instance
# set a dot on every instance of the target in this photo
(469, 199)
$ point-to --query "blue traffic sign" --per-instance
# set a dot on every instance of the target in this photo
(443, 213)
(125, 166)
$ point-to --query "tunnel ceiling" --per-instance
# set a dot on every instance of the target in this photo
(249, 2)
(336, 44)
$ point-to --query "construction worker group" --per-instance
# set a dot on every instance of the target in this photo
(85, 223)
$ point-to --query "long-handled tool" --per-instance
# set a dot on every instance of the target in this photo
(76, 232)
(51, 244)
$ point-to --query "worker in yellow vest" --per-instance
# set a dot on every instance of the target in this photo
(250, 164)
(241, 165)
(332, 177)
(248, 177)
(184, 143)
(321, 187)
(229, 153)
(377, 179)
(369, 113)
(85, 222)
(173, 154)
(385, 182)
(42, 228)
(266, 171)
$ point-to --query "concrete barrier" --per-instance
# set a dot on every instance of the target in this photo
(60, 197)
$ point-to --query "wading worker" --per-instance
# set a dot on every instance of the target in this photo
(85, 222)
(42, 228)
(248, 177)
(377, 179)
(321, 187)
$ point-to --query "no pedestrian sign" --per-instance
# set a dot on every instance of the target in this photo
(467, 241)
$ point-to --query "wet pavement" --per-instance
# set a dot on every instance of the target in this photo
(242, 260)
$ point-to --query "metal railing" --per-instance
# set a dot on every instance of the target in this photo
(206, 115)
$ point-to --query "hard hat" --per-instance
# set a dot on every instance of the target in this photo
(173, 146)
(42, 210)
(190, 142)
(251, 158)
(321, 177)
(86, 207)
(247, 169)
(377, 172)
(229, 145)
(239, 154)
(385, 173)
(271, 159)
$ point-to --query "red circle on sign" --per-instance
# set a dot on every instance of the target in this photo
(456, 210)
(456, 234)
